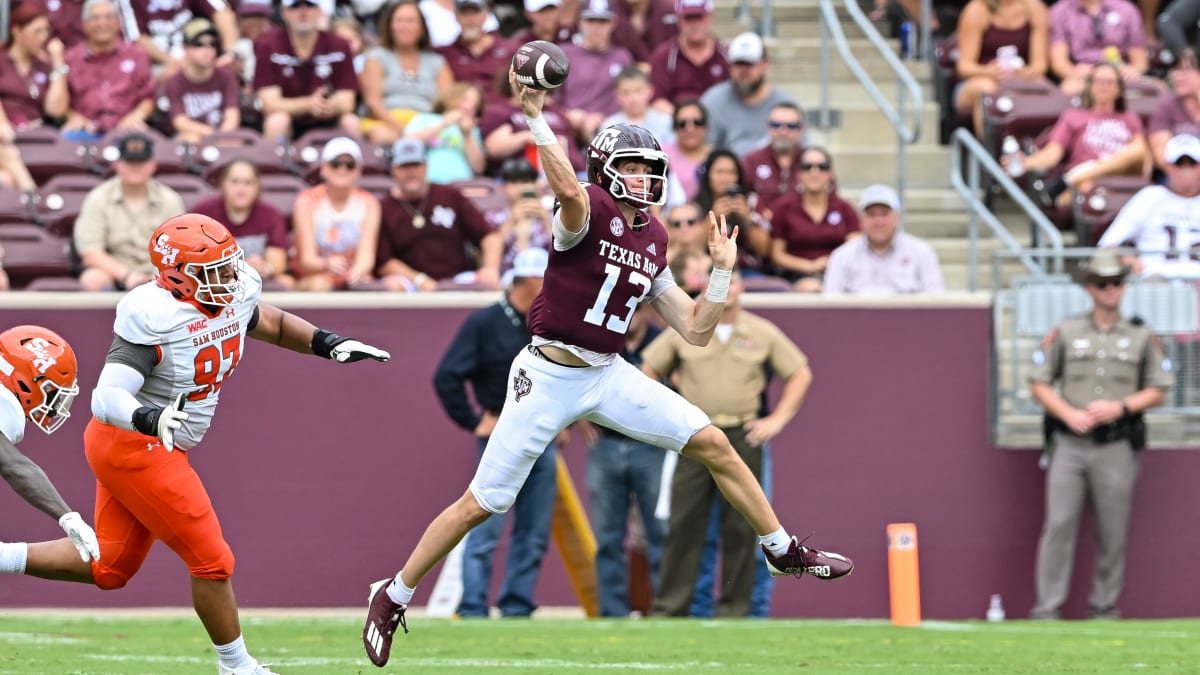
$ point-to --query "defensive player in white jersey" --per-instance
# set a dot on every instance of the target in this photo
(609, 255)
(177, 342)
(1163, 221)
(37, 383)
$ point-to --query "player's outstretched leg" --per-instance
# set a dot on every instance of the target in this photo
(383, 617)
(785, 555)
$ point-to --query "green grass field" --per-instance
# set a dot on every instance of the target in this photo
(71, 643)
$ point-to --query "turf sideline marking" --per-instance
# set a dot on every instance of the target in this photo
(1043, 629)
(300, 662)
(39, 638)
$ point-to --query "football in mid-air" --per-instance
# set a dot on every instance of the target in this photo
(541, 65)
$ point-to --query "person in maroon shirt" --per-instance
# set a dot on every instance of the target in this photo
(643, 25)
(109, 80)
(155, 26)
(506, 134)
(771, 170)
(29, 86)
(545, 23)
(202, 98)
(811, 222)
(425, 227)
(260, 230)
(687, 66)
(66, 20)
(609, 256)
(476, 56)
(304, 76)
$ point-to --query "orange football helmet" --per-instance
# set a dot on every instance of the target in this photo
(197, 258)
(39, 367)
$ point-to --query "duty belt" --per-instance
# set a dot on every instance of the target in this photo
(723, 420)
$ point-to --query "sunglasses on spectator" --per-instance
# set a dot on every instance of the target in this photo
(690, 122)
(203, 43)
(1105, 283)
(683, 221)
(790, 126)
(348, 164)
(819, 166)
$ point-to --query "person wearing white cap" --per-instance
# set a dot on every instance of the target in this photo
(684, 68)
(336, 223)
(884, 261)
(545, 23)
(589, 94)
(740, 107)
(1162, 220)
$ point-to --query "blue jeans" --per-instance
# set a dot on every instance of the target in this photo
(760, 600)
(532, 513)
(621, 470)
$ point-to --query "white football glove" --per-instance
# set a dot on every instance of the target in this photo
(81, 535)
(353, 350)
(161, 422)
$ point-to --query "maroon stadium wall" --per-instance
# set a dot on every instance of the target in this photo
(325, 475)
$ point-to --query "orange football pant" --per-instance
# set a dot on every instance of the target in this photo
(145, 493)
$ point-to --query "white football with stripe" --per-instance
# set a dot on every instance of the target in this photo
(541, 65)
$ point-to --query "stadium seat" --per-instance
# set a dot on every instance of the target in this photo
(31, 252)
(306, 155)
(172, 157)
(486, 194)
(47, 154)
(219, 149)
(60, 199)
(191, 188)
(1096, 208)
(376, 185)
(766, 284)
(1143, 96)
(54, 284)
(280, 191)
(1022, 109)
(15, 206)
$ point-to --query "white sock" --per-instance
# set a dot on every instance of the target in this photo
(399, 591)
(234, 654)
(13, 557)
(777, 542)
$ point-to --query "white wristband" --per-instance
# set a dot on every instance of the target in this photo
(718, 285)
(542, 135)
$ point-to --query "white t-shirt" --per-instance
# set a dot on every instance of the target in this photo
(1157, 220)
(12, 416)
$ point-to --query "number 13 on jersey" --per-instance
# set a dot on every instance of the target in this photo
(596, 314)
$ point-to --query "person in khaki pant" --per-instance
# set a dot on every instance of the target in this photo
(1110, 370)
(725, 379)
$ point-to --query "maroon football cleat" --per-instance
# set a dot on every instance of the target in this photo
(383, 616)
(804, 560)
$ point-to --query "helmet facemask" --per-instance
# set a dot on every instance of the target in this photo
(656, 181)
(219, 283)
(55, 407)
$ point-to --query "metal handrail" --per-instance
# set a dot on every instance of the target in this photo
(766, 27)
(905, 133)
(962, 142)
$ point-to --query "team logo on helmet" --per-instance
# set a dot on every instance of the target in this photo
(169, 253)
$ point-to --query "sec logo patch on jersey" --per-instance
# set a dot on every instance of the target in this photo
(617, 225)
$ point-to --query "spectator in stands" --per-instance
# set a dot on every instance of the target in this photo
(1178, 114)
(884, 261)
(643, 25)
(688, 228)
(476, 55)
(810, 224)
(155, 27)
(772, 169)
(349, 29)
(30, 86)
(589, 93)
(4, 283)
(451, 134)
(481, 355)
(254, 19)
(747, 349)
(1179, 28)
(624, 476)
(545, 23)
(426, 229)
(336, 223)
(739, 108)
(1099, 129)
(692, 63)
(1084, 33)
(260, 230)
(999, 40)
(526, 223)
(403, 76)
(633, 94)
(66, 22)
(690, 149)
(1096, 429)
(1162, 220)
(445, 19)
(109, 81)
(724, 191)
(506, 133)
(119, 215)
(304, 76)
(202, 98)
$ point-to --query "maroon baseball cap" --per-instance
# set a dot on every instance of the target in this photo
(693, 7)
(255, 8)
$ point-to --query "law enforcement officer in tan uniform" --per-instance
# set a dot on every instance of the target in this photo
(1110, 370)
(726, 379)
